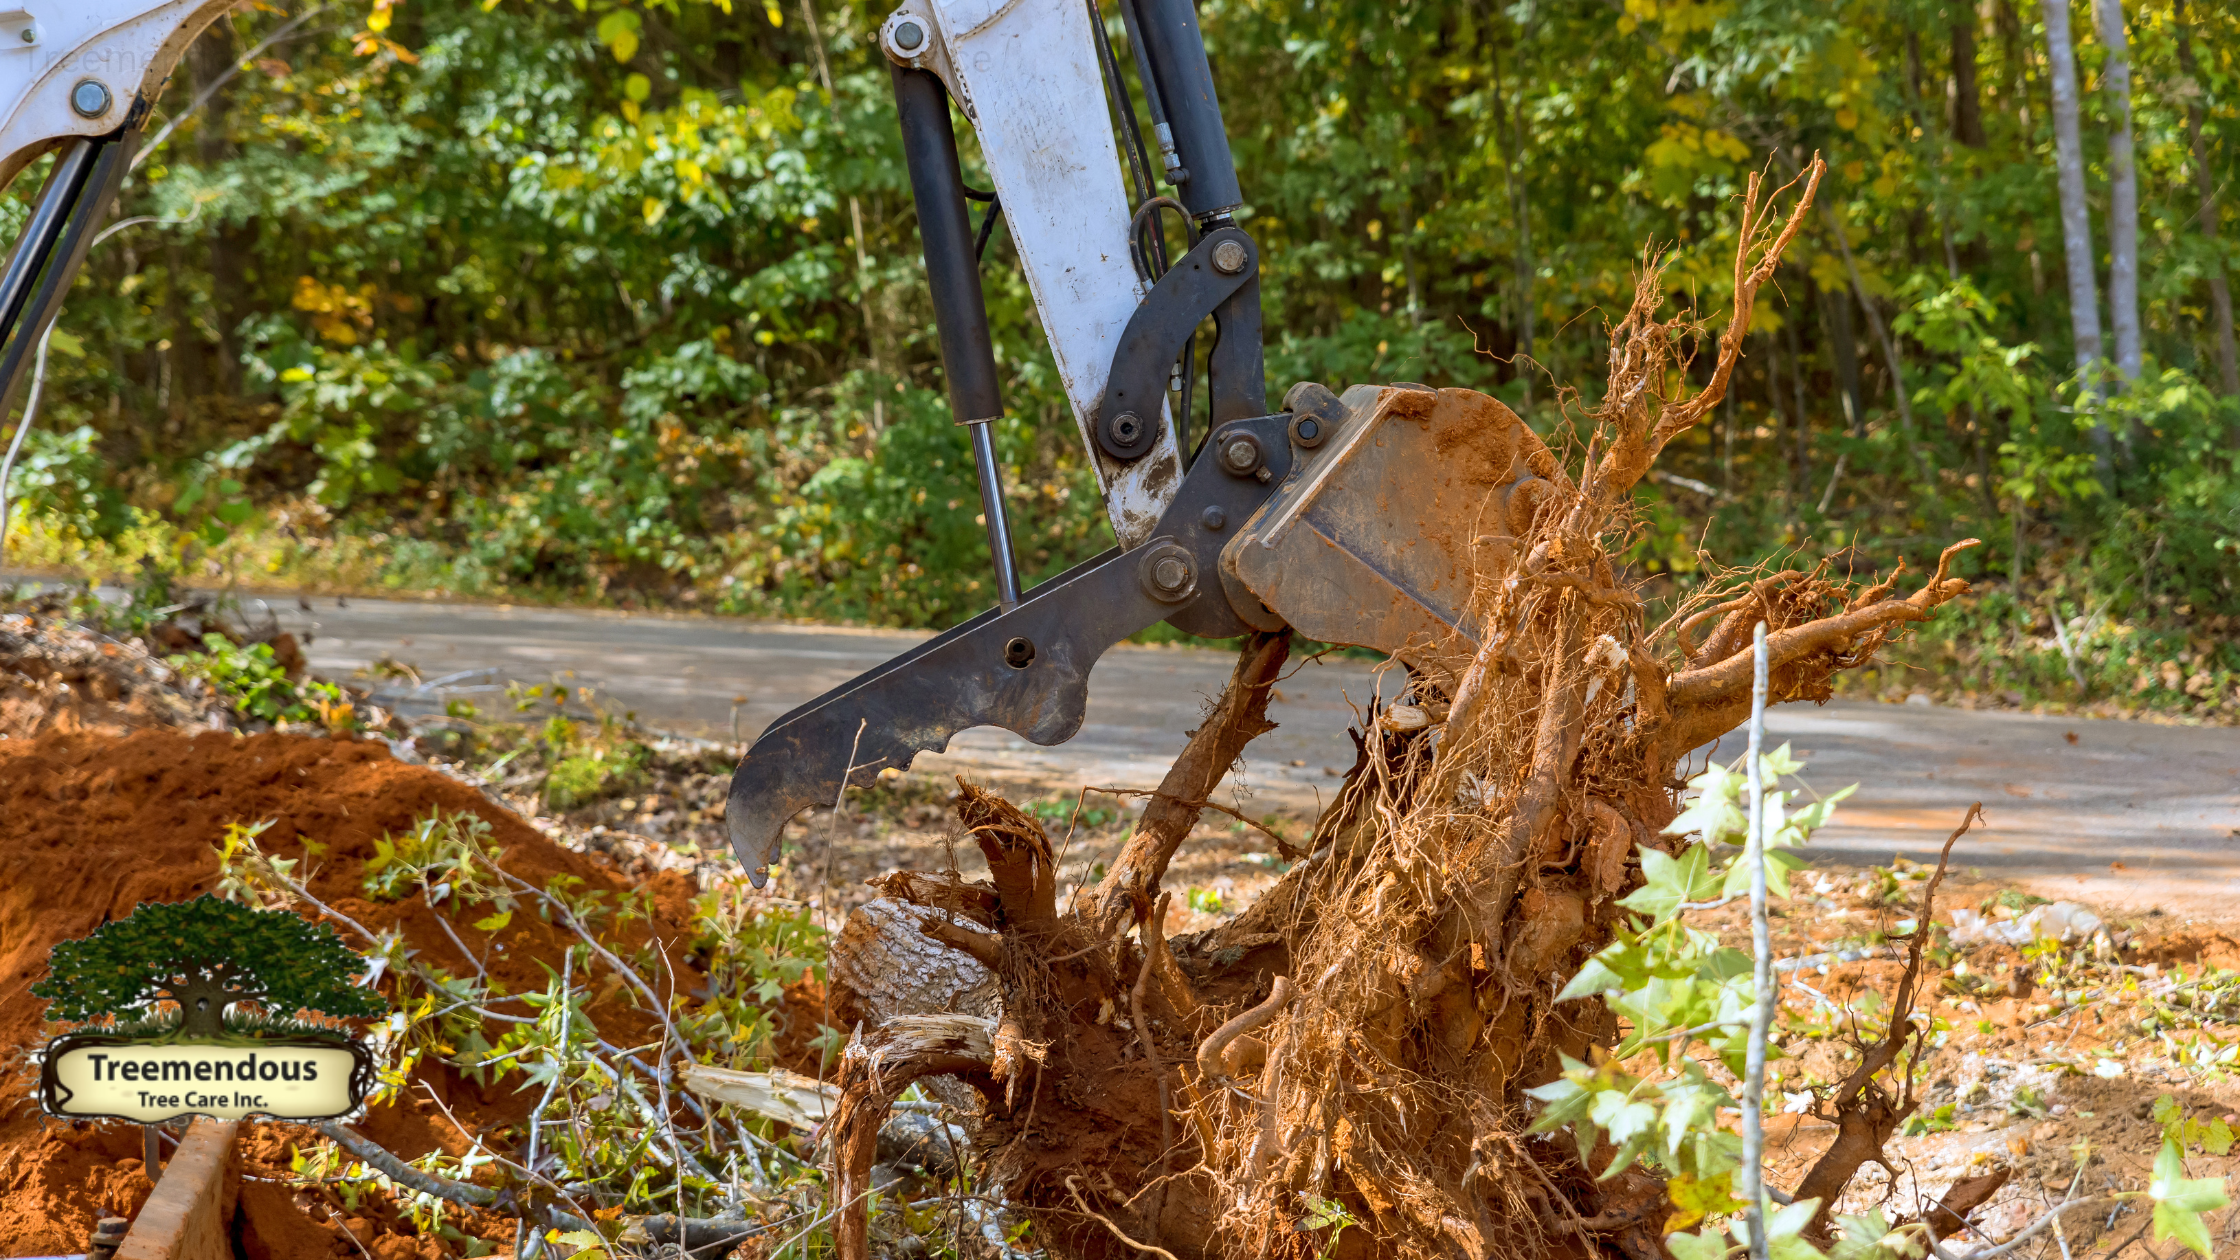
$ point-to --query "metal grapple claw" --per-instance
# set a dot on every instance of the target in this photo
(1026, 668)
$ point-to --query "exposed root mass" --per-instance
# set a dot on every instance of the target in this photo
(1355, 1046)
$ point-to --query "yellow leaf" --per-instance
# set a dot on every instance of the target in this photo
(771, 11)
(1847, 118)
(654, 209)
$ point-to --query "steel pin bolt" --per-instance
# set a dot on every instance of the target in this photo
(1240, 455)
(90, 97)
(909, 37)
(1229, 257)
(1170, 573)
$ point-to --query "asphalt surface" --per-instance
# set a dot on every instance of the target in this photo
(2124, 810)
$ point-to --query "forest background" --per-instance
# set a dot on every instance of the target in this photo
(622, 302)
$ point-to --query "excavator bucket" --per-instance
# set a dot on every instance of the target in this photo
(1374, 539)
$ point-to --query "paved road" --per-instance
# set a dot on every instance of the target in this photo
(2163, 801)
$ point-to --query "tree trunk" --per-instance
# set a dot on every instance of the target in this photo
(2220, 290)
(231, 244)
(202, 1006)
(1801, 452)
(1967, 97)
(1835, 305)
(1521, 208)
(2076, 216)
(2123, 194)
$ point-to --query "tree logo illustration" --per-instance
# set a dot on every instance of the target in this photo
(199, 1007)
(205, 956)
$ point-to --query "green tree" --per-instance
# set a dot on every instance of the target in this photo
(205, 955)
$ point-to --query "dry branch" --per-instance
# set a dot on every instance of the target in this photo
(1241, 714)
(1866, 1114)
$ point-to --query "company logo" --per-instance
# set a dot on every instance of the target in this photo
(200, 1008)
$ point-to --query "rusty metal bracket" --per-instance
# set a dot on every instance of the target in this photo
(1221, 269)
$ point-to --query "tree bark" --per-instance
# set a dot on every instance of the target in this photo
(2076, 216)
(2220, 290)
(1967, 96)
(2123, 194)
(1801, 455)
(1843, 338)
(231, 244)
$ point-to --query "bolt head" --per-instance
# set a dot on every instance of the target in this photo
(1240, 455)
(90, 98)
(1229, 257)
(909, 37)
(1170, 573)
(1127, 427)
(1309, 429)
(1213, 517)
(30, 35)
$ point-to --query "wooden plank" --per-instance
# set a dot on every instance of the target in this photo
(189, 1216)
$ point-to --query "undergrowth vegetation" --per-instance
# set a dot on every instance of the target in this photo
(624, 304)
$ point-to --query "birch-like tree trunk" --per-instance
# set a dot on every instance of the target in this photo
(2123, 193)
(2220, 291)
(2068, 166)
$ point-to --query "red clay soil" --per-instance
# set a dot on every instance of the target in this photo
(91, 826)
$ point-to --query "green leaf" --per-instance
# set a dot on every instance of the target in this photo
(2187, 1227)
(1592, 979)
(1669, 881)
(1712, 1196)
(2173, 1189)
(494, 923)
(1709, 1244)
(1792, 1218)
(1779, 762)
(2218, 1140)
(588, 1244)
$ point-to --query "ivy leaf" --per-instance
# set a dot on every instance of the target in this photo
(2179, 1202)
(2218, 1140)
(1713, 813)
(1778, 762)
(1868, 1237)
(1712, 1196)
(1670, 881)
(1592, 979)
(588, 1244)
(1710, 1244)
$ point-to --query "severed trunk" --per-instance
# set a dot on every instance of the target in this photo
(1355, 1046)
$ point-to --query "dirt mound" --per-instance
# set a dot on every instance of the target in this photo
(91, 826)
(59, 676)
